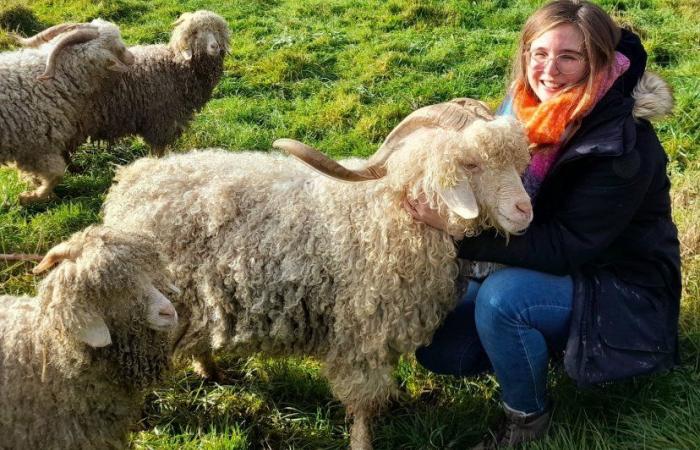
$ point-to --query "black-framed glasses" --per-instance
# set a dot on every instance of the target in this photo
(565, 63)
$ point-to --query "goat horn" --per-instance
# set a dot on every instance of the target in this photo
(454, 115)
(46, 35)
(475, 107)
(74, 37)
(56, 255)
(322, 163)
(20, 257)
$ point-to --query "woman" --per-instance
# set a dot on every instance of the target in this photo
(597, 274)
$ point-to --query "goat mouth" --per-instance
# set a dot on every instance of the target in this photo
(161, 327)
(511, 226)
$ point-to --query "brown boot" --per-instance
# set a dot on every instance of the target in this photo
(517, 428)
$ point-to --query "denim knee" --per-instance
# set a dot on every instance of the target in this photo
(496, 300)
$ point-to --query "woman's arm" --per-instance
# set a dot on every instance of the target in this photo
(594, 213)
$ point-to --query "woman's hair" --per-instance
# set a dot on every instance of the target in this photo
(600, 36)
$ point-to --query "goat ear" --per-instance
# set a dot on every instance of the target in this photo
(186, 54)
(460, 200)
(95, 333)
(116, 65)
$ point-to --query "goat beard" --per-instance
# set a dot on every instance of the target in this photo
(208, 67)
(136, 358)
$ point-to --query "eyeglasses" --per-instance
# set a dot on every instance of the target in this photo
(565, 63)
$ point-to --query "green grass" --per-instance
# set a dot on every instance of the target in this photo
(340, 74)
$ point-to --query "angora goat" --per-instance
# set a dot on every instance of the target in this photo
(44, 93)
(273, 257)
(75, 358)
(166, 86)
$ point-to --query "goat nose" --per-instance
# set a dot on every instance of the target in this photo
(167, 311)
(524, 207)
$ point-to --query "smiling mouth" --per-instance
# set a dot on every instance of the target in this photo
(551, 86)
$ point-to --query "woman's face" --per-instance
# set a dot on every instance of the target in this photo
(556, 60)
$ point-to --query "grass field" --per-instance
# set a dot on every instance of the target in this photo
(340, 74)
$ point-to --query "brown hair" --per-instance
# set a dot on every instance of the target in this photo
(600, 36)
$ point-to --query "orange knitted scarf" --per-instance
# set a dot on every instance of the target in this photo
(546, 122)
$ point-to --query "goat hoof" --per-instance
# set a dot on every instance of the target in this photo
(208, 370)
(30, 198)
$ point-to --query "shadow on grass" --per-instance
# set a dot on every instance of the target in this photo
(286, 403)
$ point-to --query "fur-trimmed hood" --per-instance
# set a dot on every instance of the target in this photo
(653, 97)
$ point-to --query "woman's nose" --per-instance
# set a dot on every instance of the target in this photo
(550, 66)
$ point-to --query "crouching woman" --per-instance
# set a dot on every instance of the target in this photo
(597, 275)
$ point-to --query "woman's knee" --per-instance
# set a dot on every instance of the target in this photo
(498, 296)
(513, 297)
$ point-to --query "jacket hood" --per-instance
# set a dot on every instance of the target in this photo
(631, 46)
(653, 97)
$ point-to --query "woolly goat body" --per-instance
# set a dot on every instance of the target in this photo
(273, 257)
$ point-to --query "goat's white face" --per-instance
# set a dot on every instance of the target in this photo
(79, 299)
(503, 196)
(496, 158)
(203, 42)
(160, 316)
(472, 173)
(200, 33)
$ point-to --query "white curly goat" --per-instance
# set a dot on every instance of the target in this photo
(273, 257)
(46, 91)
(74, 359)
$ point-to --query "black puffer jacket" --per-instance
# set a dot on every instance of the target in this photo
(603, 215)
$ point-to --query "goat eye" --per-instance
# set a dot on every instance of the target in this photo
(471, 167)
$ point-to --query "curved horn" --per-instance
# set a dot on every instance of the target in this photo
(46, 35)
(322, 163)
(74, 37)
(455, 114)
(20, 257)
(56, 255)
(475, 107)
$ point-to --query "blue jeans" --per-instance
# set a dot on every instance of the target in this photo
(509, 323)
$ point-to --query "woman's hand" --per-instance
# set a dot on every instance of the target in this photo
(421, 212)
